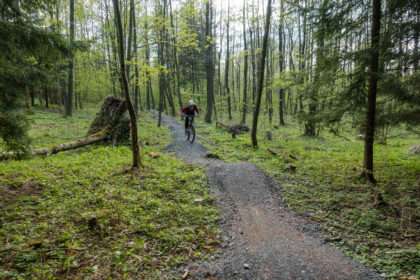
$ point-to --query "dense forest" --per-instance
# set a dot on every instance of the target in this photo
(324, 69)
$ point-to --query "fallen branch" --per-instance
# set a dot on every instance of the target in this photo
(227, 127)
(272, 152)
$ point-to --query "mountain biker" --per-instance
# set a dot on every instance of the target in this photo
(189, 110)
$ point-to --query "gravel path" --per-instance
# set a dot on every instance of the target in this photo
(263, 239)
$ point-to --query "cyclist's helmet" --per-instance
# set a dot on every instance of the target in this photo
(191, 103)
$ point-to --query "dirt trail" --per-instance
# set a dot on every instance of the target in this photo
(263, 239)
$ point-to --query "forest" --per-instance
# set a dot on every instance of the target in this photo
(328, 89)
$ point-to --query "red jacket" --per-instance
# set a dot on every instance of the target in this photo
(186, 110)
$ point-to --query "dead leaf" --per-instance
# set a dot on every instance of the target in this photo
(154, 262)
(408, 235)
(185, 275)
(376, 251)
(198, 199)
(137, 257)
(371, 265)
(207, 247)
(153, 154)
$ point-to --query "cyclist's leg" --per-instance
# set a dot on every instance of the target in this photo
(186, 124)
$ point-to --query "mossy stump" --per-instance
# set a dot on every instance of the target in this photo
(113, 115)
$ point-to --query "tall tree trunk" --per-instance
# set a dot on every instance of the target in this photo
(149, 95)
(253, 56)
(209, 64)
(111, 62)
(130, 38)
(373, 81)
(137, 96)
(175, 54)
(261, 76)
(133, 120)
(244, 99)
(270, 72)
(281, 63)
(69, 99)
(227, 65)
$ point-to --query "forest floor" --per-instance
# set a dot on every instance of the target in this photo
(263, 238)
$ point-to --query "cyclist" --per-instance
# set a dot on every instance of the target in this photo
(189, 110)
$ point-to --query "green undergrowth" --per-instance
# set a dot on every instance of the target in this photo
(319, 177)
(84, 214)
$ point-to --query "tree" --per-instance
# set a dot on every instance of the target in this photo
(69, 99)
(373, 82)
(209, 63)
(261, 76)
(281, 63)
(227, 65)
(244, 100)
(133, 120)
(29, 52)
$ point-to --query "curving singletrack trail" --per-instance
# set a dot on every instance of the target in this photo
(263, 238)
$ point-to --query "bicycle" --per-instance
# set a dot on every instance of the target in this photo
(191, 128)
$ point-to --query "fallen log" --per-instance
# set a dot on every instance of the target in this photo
(110, 124)
(61, 147)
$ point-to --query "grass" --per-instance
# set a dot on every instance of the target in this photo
(84, 214)
(377, 225)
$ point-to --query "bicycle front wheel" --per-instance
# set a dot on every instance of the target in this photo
(191, 134)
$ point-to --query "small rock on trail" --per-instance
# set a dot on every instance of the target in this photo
(263, 239)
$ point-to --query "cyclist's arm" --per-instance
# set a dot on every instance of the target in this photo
(183, 109)
(196, 109)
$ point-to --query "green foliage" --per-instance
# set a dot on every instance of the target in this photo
(319, 177)
(28, 52)
(83, 214)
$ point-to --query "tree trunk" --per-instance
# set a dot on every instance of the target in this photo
(133, 119)
(175, 54)
(130, 38)
(261, 76)
(244, 99)
(149, 95)
(137, 96)
(227, 66)
(281, 63)
(69, 99)
(61, 147)
(209, 65)
(373, 80)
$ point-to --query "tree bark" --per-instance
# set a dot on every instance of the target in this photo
(244, 100)
(69, 99)
(209, 64)
(372, 89)
(227, 65)
(137, 96)
(261, 77)
(133, 119)
(281, 63)
(175, 54)
(61, 147)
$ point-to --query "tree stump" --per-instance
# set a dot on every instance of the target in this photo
(112, 115)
